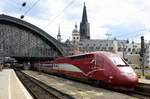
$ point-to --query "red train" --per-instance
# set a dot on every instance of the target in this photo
(100, 67)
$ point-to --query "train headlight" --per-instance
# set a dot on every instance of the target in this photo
(126, 74)
(127, 70)
(129, 74)
(110, 77)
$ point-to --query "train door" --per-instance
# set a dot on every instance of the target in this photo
(98, 62)
(98, 68)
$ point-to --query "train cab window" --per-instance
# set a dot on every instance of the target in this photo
(118, 61)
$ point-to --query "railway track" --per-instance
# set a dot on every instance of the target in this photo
(142, 90)
(40, 90)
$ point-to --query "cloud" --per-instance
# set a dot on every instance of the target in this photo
(126, 30)
(14, 7)
(117, 17)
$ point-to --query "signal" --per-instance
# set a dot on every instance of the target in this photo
(142, 52)
(142, 47)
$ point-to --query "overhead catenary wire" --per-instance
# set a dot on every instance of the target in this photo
(8, 5)
(63, 10)
(138, 33)
(31, 7)
(22, 16)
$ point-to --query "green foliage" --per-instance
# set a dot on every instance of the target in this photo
(137, 66)
(146, 75)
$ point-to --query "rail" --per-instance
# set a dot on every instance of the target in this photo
(40, 90)
(142, 90)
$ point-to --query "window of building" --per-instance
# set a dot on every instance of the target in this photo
(77, 37)
(103, 48)
(125, 49)
(133, 50)
(97, 47)
(110, 48)
(84, 47)
(80, 44)
(1, 47)
(80, 48)
(119, 49)
(129, 49)
(91, 47)
(74, 38)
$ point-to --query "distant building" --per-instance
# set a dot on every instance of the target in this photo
(133, 59)
(69, 47)
(75, 35)
(147, 55)
(81, 43)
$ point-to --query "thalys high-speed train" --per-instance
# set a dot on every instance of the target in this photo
(101, 67)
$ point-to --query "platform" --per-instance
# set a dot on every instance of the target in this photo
(11, 87)
(143, 80)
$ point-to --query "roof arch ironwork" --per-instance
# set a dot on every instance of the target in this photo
(49, 39)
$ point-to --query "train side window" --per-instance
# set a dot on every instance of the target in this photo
(80, 57)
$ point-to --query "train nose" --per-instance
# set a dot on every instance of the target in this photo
(132, 80)
(129, 79)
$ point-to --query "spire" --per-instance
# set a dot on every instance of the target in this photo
(58, 35)
(76, 26)
(76, 29)
(84, 15)
(84, 26)
(59, 30)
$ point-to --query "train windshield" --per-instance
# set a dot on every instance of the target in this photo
(118, 61)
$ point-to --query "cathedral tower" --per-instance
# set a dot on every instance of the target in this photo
(84, 26)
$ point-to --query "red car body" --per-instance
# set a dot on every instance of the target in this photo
(101, 66)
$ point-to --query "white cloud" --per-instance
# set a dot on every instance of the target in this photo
(102, 15)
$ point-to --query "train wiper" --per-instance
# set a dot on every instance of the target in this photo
(119, 65)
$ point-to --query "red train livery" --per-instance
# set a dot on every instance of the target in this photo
(101, 67)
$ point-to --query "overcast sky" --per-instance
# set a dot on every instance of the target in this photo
(123, 19)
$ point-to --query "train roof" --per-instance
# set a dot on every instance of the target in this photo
(96, 52)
